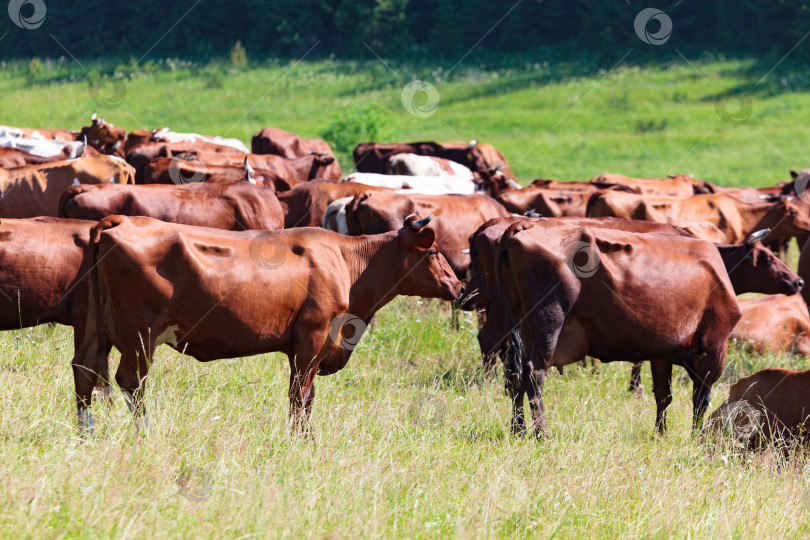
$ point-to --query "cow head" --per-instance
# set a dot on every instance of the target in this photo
(426, 272)
(754, 268)
(789, 220)
(105, 137)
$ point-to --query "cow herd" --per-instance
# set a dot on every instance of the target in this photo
(143, 238)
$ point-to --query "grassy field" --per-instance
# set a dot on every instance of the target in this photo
(412, 438)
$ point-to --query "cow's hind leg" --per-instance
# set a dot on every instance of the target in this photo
(662, 389)
(131, 378)
(706, 370)
(635, 380)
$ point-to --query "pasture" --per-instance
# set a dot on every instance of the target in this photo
(412, 438)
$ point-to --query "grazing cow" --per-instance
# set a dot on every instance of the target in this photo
(305, 205)
(775, 323)
(546, 202)
(435, 184)
(609, 307)
(165, 135)
(141, 155)
(414, 165)
(289, 145)
(479, 158)
(14, 157)
(105, 137)
(34, 190)
(769, 406)
(735, 218)
(194, 169)
(217, 294)
(234, 206)
(461, 215)
(303, 168)
(677, 186)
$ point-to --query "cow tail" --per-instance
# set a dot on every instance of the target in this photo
(65, 198)
(516, 349)
(591, 203)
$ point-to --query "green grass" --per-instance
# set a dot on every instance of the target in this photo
(412, 438)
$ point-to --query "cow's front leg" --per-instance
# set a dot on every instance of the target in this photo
(309, 352)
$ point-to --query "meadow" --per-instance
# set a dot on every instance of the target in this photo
(412, 438)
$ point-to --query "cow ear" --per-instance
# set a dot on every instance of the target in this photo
(425, 238)
(794, 174)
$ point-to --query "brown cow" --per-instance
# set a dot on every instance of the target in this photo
(289, 145)
(769, 406)
(735, 218)
(460, 215)
(234, 206)
(305, 205)
(575, 185)
(217, 294)
(35, 133)
(575, 291)
(303, 168)
(34, 190)
(15, 157)
(105, 137)
(677, 186)
(775, 323)
(189, 168)
(141, 155)
(546, 202)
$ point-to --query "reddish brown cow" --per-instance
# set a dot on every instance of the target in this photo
(574, 185)
(735, 218)
(378, 212)
(105, 137)
(234, 206)
(546, 202)
(769, 406)
(289, 145)
(141, 155)
(305, 205)
(775, 323)
(193, 170)
(607, 305)
(217, 294)
(677, 186)
(303, 168)
(15, 157)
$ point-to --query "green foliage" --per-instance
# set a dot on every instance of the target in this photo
(353, 125)
(238, 55)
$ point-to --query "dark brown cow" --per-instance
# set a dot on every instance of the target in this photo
(576, 291)
(289, 145)
(141, 155)
(460, 215)
(775, 323)
(15, 157)
(769, 406)
(105, 137)
(373, 157)
(235, 206)
(305, 205)
(191, 169)
(735, 218)
(308, 293)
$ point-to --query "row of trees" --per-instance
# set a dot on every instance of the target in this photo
(400, 28)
